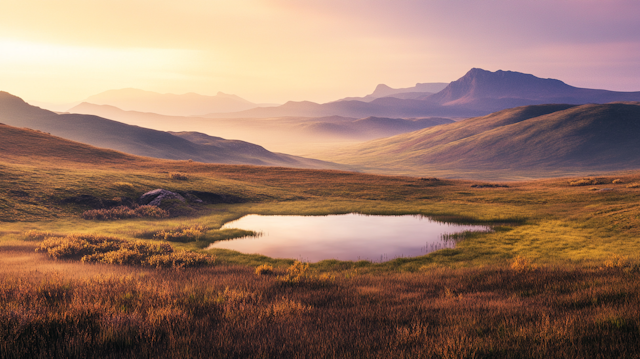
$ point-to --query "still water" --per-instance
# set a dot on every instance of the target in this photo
(343, 237)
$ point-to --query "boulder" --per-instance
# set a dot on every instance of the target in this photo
(155, 197)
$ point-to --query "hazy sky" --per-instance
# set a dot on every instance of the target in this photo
(318, 50)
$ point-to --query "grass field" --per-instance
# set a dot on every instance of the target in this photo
(558, 276)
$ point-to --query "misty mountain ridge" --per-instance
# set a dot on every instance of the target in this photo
(272, 132)
(478, 92)
(189, 104)
(382, 90)
(104, 133)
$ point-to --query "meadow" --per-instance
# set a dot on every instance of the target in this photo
(558, 276)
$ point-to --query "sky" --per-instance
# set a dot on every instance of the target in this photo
(273, 51)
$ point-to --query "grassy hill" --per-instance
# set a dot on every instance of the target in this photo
(101, 132)
(539, 139)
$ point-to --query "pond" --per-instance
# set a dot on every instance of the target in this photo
(344, 237)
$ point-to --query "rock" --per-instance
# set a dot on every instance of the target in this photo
(155, 197)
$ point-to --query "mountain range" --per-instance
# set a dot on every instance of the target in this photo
(287, 134)
(189, 104)
(478, 92)
(101, 132)
(419, 90)
(533, 139)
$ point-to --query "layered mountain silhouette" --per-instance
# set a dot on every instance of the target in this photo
(272, 132)
(493, 91)
(101, 132)
(419, 90)
(189, 104)
(478, 92)
(538, 138)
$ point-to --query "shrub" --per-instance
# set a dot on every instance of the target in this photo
(583, 182)
(124, 212)
(616, 261)
(102, 249)
(178, 176)
(179, 260)
(296, 273)
(522, 264)
(264, 269)
(183, 234)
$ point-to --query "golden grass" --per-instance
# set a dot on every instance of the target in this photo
(111, 250)
(227, 311)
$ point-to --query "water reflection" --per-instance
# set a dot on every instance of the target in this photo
(345, 237)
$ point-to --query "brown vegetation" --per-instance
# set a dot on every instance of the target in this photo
(178, 176)
(488, 312)
(182, 234)
(123, 212)
(111, 250)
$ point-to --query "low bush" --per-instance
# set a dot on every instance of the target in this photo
(182, 259)
(178, 176)
(264, 269)
(183, 234)
(296, 273)
(124, 212)
(110, 250)
(583, 182)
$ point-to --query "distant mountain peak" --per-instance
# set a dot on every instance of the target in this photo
(478, 83)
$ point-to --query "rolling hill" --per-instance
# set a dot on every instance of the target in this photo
(101, 132)
(536, 140)
(189, 104)
(285, 134)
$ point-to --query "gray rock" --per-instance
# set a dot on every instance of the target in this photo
(155, 197)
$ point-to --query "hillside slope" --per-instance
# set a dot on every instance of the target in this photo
(100, 132)
(531, 138)
(283, 134)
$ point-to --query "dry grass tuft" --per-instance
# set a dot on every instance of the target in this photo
(182, 234)
(264, 269)
(585, 182)
(617, 261)
(522, 264)
(90, 248)
(124, 212)
(179, 176)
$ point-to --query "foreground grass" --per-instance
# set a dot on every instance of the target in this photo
(229, 311)
(466, 302)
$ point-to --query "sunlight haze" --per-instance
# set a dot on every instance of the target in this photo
(276, 51)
